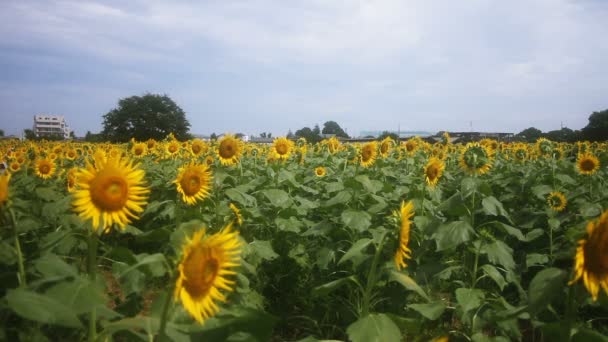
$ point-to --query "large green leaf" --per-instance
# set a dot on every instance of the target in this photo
(41, 308)
(357, 220)
(495, 275)
(326, 288)
(469, 299)
(544, 287)
(339, 198)
(408, 283)
(80, 295)
(278, 198)
(374, 327)
(431, 311)
(356, 250)
(500, 253)
(492, 206)
(587, 335)
(240, 197)
(452, 234)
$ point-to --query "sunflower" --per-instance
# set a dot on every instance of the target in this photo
(369, 152)
(433, 171)
(198, 147)
(237, 214)
(14, 166)
(151, 143)
(44, 168)
(544, 147)
(111, 190)
(320, 171)
(172, 148)
(281, 148)
(587, 164)
(209, 160)
(411, 146)
(405, 213)
(4, 179)
(557, 201)
(206, 263)
(475, 159)
(446, 138)
(333, 144)
(193, 182)
(71, 179)
(71, 154)
(385, 146)
(520, 152)
(591, 260)
(229, 149)
(139, 149)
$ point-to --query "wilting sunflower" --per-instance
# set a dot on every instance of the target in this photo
(139, 149)
(433, 171)
(193, 182)
(557, 201)
(405, 214)
(475, 159)
(198, 147)
(591, 260)
(320, 171)
(281, 148)
(110, 191)
(44, 168)
(385, 146)
(587, 164)
(206, 263)
(229, 149)
(237, 214)
(4, 179)
(369, 152)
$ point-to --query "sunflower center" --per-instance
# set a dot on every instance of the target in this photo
(200, 270)
(45, 169)
(227, 149)
(384, 148)
(196, 149)
(282, 149)
(191, 184)
(173, 148)
(432, 171)
(139, 151)
(587, 165)
(109, 192)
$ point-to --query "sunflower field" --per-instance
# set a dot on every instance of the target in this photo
(374, 241)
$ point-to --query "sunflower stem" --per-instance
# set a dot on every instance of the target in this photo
(92, 272)
(371, 278)
(162, 336)
(21, 275)
(475, 265)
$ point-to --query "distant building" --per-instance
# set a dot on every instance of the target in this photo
(51, 125)
(401, 134)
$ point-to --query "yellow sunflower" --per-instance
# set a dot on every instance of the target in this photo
(44, 168)
(14, 166)
(320, 171)
(71, 154)
(411, 146)
(172, 148)
(193, 182)
(587, 164)
(4, 179)
(204, 270)
(71, 179)
(369, 152)
(333, 144)
(405, 214)
(557, 201)
(151, 144)
(139, 149)
(281, 148)
(198, 147)
(385, 146)
(229, 149)
(110, 191)
(475, 159)
(433, 171)
(209, 160)
(237, 214)
(591, 260)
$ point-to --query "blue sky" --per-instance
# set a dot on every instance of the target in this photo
(252, 66)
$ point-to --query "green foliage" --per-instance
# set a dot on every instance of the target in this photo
(332, 127)
(597, 128)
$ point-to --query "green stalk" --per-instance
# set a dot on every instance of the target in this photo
(163, 318)
(21, 275)
(371, 278)
(92, 270)
(475, 265)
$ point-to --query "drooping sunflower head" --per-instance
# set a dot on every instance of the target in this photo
(320, 171)
(544, 147)
(385, 146)
(237, 214)
(4, 179)
(229, 149)
(520, 152)
(333, 144)
(198, 147)
(44, 168)
(369, 152)
(475, 159)
(433, 171)
(281, 148)
(139, 149)
(591, 260)
(193, 182)
(557, 201)
(404, 215)
(110, 191)
(205, 270)
(587, 164)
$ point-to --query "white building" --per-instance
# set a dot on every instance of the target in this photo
(51, 125)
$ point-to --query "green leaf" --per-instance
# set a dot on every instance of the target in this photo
(454, 206)
(333, 187)
(374, 327)
(357, 220)
(541, 191)
(587, 335)
(240, 197)
(339, 198)
(356, 250)
(153, 261)
(263, 249)
(591, 210)
(40, 308)
(480, 337)
(515, 232)
(80, 295)
(469, 299)
(372, 185)
(278, 198)
(408, 283)
(468, 186)
(492, 206)
(327, 288)
(50, 266)
(500, 253)
(47, 194)
(544, 287)
(452, 234)
(535, 259)
(431, 311)
(289, 225)
(495, 275)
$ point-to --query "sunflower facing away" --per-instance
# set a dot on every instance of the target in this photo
(206, 263)
(237, 214)
(320, 171)
(385, 146)
(433, 171)
(369, 152)
(557, 201)
(281, 148)
(475, 159)
(229, 149)
(193, 182)
(110, 191)
(405, 213)
(44, 168)
(587, 164)
(4, 179)
(591, 260)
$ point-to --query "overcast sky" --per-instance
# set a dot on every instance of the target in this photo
(253, 66)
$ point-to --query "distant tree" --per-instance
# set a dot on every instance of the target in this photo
(597, 128)
(239, 135)
(29, 134)
(266, 135)
(309, 134)
(93, 137)
(290, 135)
(72, 135)
(385, 134)
(529, 134)
(144, 117)
(213, 136)
(563, 135)
(332, 127)
(1, 132)
(316, 130)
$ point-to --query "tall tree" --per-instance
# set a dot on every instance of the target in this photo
(597, 128)
(309, 134)
(530, 134)
(144, 117)
(332, 127)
